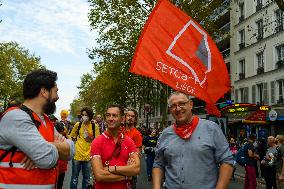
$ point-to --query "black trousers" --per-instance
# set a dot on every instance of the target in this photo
(60, 180)
(270, 177)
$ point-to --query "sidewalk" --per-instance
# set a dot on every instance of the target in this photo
(240, 175)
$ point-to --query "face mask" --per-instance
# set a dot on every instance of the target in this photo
(85, 118)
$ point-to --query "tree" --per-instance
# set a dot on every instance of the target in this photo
(15, 63)
(76, 107)
(119, 24)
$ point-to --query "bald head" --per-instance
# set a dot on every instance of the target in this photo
(271, 140)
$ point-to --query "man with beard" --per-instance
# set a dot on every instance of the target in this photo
(131, 120)
(193, 152)
(29, 144)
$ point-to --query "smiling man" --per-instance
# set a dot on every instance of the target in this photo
(192, 153)
(114, 156)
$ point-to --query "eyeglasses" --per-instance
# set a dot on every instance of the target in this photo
(180, 105)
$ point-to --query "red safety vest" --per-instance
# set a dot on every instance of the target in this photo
(19, 178)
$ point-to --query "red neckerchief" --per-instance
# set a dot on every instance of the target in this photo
(117, 148)
(185, 131)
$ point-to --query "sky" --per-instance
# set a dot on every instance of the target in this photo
(56, 30)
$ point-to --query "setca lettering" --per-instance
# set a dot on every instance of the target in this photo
(173, 72)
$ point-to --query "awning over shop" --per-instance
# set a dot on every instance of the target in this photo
(246, 113)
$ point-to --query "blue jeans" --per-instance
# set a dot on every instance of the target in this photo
(149, 161)
(86, 171)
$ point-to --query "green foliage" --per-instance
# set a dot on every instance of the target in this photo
(15, 63)
(76, 107)
(119, 24)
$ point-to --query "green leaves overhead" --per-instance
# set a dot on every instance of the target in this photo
(15, 63)
(119, 24)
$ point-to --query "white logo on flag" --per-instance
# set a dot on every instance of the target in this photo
(203, 52)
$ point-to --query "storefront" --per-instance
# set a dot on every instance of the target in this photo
(276, 119)
(245, 119)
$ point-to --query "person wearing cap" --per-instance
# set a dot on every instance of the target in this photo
(192, 153)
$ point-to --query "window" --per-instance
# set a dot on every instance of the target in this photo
(242, 39)
(272, 91)
(280, 52)
(236, 96)
(279, 20)
(280, 92)
(244, 95)
(259, 93)
(242, 13)
(258, 5)
(260, 63)
(242, 67)
(259, 25)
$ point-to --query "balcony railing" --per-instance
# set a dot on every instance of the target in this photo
(259, 36)
(260, 70)
(258, 7)
(241, 76)
(226, 53)
(279, 28)
(241, 18)
(241, 45)
(280, 101)
(280, 64)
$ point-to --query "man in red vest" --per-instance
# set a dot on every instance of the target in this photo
(29, 145)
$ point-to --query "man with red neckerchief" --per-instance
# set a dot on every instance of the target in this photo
(193, 152)
(114, 155)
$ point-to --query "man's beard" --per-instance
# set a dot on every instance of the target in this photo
(130, 123)
(49, 107)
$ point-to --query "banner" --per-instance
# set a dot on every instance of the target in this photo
(177, 51)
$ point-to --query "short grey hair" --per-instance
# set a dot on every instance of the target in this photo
(179, 93)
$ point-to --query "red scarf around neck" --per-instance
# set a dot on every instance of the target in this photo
(185, 131)
(117, 148)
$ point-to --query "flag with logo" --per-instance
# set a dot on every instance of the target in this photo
(177, 51)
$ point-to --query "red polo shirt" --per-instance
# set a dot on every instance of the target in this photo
(104, 146)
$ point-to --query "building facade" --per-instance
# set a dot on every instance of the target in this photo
(257, 56)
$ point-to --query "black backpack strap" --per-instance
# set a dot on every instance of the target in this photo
(13, 150)
(29, 112)
(79, 127)
(93, 128)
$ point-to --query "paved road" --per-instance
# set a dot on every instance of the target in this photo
(143, 183)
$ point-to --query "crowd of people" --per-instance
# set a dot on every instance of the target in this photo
(263, 158)
(108, 148)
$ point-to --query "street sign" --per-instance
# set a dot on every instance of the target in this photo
(272, 115)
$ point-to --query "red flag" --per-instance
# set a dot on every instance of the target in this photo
(177, 51)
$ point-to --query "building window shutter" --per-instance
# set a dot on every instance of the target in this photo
(253, 94)
(272, 92)
(246, 92)
(236, 96)
(265, 94)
